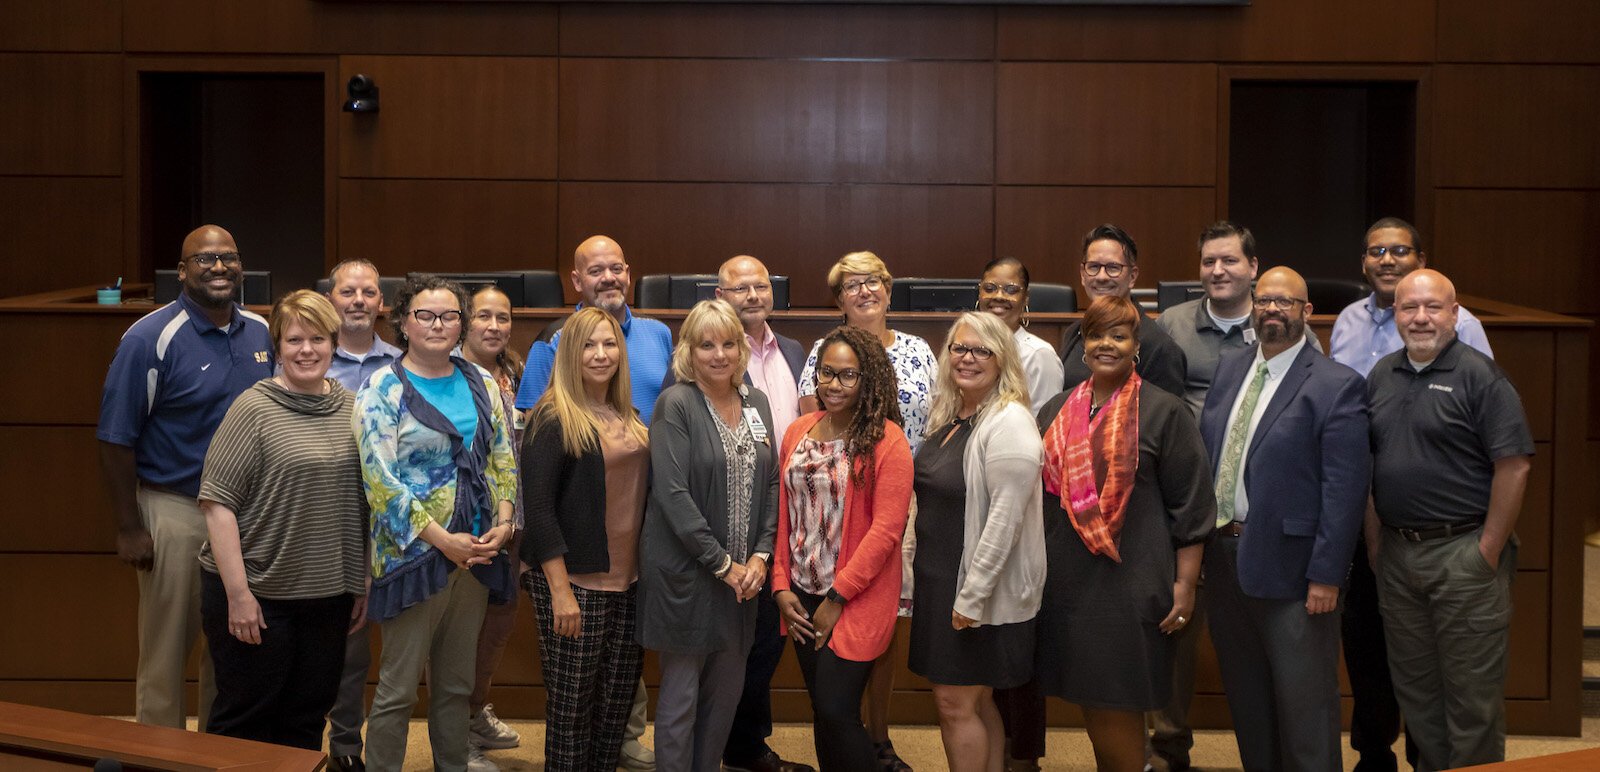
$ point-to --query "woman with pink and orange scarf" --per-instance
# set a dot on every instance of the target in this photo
(1128, 505)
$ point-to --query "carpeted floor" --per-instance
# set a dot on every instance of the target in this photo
(1068, 748)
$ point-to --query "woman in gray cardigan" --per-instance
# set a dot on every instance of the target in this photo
(708, 534)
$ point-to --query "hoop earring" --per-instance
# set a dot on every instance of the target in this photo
(1025, 310)
(1085, 357)
(1135, 359)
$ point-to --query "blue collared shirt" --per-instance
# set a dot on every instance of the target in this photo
(1365, 333)
(649, 344)
(352, 371)
(173, 378)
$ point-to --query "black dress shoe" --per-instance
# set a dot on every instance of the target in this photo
(769, 763)
(346, 764)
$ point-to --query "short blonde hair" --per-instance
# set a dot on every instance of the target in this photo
(311, 309)
(863, 263)
(708, 317)
(995, 336)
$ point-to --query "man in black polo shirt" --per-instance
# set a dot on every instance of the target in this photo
(1450, 447)
(1110, 266)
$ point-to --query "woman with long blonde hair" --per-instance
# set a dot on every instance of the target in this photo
(980, 539)
(585, 471)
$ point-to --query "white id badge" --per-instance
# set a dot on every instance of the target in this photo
(1249, 335)
(757, 428)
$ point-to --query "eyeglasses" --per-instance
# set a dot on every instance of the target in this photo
(447, 318)
(859, 285)
(208, 259)
(846, 378)
(990, 288)
(1112, 270)
(979, 353)
(745, 289)
(1400, 251)
(1282, 304)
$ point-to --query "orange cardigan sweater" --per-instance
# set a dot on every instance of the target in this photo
(867, 573)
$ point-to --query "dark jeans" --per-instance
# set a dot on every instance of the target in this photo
(280, 690)
(752, 722)
(836, 686)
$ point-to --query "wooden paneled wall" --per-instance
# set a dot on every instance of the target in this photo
(937, 136)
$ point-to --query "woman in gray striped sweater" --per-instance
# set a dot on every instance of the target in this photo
(283, 576)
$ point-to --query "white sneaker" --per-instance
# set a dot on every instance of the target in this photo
(476, 761)
(490, 732)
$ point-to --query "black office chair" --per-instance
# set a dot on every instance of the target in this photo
(1330, 296)
(1046, 298)
(542, 289)
(654, 291)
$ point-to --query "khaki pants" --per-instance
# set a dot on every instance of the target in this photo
(440, 633)
(1446, 616)
(169, 610)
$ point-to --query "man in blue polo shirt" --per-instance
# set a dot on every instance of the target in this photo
(174, 375)
(354, 290)
(600, 275)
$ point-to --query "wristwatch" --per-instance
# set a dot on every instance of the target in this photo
(834, 596)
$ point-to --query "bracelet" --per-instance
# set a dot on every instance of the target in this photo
(727, 565)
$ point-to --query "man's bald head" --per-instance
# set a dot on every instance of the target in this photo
(210, 285)
(600, 274)
(1425, 313)
(1281, 309)
(208, 238)
(743, 281)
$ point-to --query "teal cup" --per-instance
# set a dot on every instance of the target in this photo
(108, 296)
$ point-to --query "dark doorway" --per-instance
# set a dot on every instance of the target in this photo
(1311, 164)
(244, 151)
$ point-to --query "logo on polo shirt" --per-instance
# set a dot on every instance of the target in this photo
(205, 367)
(261, 357)
(1441, 387)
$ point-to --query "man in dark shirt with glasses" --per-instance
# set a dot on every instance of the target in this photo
(1110, 266)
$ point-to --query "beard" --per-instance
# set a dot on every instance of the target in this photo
(1425, 349)
(1288, 332)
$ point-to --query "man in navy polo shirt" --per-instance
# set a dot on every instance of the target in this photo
(175, 373)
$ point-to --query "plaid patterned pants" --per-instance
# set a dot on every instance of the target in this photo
(589, 680)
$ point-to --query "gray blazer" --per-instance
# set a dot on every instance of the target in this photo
(683, 608)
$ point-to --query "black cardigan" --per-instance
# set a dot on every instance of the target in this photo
(564, 502)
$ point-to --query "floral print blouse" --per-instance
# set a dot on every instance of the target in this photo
(914, 365)
(410, 474)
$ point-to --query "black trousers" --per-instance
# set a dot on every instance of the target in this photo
(1374, 713)
(280, 690)
(836, 686)
(1022, 712)
(752, 720)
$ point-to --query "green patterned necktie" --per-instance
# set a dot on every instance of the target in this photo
(1233, 449)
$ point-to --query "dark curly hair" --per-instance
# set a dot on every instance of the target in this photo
(879, 398)
(422, 282)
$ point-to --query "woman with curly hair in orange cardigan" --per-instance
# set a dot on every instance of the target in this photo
(844, 490)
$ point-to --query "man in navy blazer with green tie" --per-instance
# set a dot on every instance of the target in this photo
(1286, 428)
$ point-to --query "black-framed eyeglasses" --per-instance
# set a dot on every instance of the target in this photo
(448, 318)
(847, 378)
(856, 286)
(1282, 304)
(1112, 270)
(1400, 251)
(979, 353)
(1010, 290)
(208, 259)
(745, 289)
